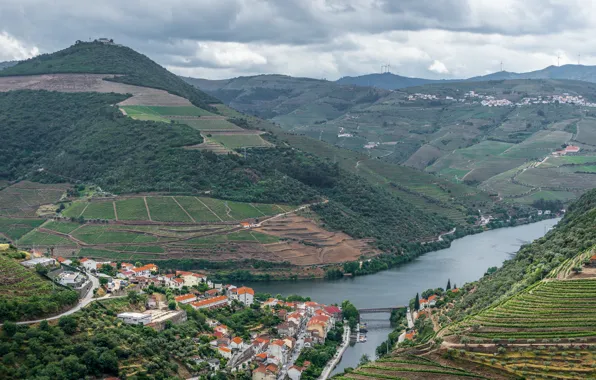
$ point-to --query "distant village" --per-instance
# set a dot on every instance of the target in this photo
(272, 357)
(472, 97)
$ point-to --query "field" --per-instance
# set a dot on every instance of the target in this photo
(14, 229)
(586, 131)
(241, 141)
(203, 124)
(164, 112)
(37, 238)
(550, 310)
(25, 198)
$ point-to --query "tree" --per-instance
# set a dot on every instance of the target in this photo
(364, 359)
(417, 302)
(448, 285)
(103, 281)
(68, 324)
(133, 297)
(9, 328)
(172, 305)
(138, 264)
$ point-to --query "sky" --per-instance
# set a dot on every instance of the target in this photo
(219, 39)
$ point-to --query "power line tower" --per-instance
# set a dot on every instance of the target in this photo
(502, 66)
(388, 68)
(579, 56)
(558, 59)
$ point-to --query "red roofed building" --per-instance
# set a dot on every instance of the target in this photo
(237, 343)
(334, 311)
(211, 303)
(410, 335)
(432, 300)
(243, 294)
(187, 298)
(572, 149)
(145, 270)
(263, 373)
(225, 352)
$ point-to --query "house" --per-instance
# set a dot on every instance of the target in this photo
(63, 261)
(88, 264)
(187, 298)
(263, 373)
(277, 349)
(135, 318)
(191, 279)
(287, 329)
(547, 212)
(593, 261)
(211, 293)
(261, 358)
(213, 364)
(243, 294)
(127, 266)
(271, 302)
(295, 372)
(432, 300)
(423, 303)
(43, 261)
(72, 279)
(211, 303)
(225, 352)
(223, 329)
(295, 317)
(145, 270)
(410, 335)
(572, 149)
(175, 283)
(259, 343)
(334, 311)
(237, 343)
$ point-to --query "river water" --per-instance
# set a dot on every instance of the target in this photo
(466, 260)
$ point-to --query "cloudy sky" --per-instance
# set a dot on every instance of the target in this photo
(314, 38)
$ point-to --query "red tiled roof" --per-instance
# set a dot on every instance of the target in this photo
(332, 309)
(278, 342)
(185, 297)
(61, 259)
(244, 290)
(83, 260)
(237, 340)
(432, 297)
(150, 267)
(209, 301)
(224, 349)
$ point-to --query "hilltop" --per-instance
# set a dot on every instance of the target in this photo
(569, 72)
(130, 67)
(387, 81)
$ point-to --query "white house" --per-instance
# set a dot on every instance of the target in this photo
(88, 264)
(225, 352)
(145, 270)
(295, 372)
(243, 294)
(135, 318)
(237, 344)
(187, 298)
(191, 279)
(277, 349)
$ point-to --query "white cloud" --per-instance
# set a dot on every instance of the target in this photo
(438, 67)
(13, 49)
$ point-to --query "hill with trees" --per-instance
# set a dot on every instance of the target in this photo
(108, 58)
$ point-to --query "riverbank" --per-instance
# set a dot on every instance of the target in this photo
(382, 262)
(466, 260)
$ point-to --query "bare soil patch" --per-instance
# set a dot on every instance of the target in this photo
(92, 83)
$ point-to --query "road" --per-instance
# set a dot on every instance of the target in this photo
(340, 351)
(82, 303)
(296, 352)
(409, 317)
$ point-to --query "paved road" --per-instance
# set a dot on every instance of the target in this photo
(296, 353)
(340, 351)
(86, 300)
(409, 317)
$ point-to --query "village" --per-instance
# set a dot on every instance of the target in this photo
(170, 295)
(472, 97)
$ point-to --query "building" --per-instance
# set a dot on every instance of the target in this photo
(187, 298)
(432, 300)
(212, 293)
(43, 261)
(72, 279)
(286, 329)
(191, 279)
(213, 364)
(63, 261)
(135, 318)
(88, 264)
(159, 318)
(333, 311)
(593, 261)
(237, 344)
(263, 373)
(225, 352)
(145, 270)
(243, 294)
(295, 372)
(211, 303)
(277, 349)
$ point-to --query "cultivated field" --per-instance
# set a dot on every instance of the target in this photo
(586, 131)
(14, 229)
(183, 209)
(25, 198)
(92, 83)
(237, 141)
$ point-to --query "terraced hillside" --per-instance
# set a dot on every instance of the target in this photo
(446, 129)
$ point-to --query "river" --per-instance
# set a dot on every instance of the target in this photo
(466, 260)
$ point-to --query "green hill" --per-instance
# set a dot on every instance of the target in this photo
(99, 58)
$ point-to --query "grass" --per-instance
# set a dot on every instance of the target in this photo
(197, 210)
(63, 227)
(24, 198)
(43, 239)
(241, 141)
(210, 124)
(14, 229)
(586, 131)
(92, 234)
(99, 210)
(159, 111)
(75, 209)
(165, 209)
(132, 209)
(105, 254)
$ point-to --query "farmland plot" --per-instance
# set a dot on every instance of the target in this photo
(14, 229)
(165, 209)
(586, 129)
(132, 209)
(241, 141)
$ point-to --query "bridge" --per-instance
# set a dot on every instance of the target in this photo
(380, 309)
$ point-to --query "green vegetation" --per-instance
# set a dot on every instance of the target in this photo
(240, 141)
(25, 294)
(164, 112)
(14, 229)
(34, 238)
(97, 58)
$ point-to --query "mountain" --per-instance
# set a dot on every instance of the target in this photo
(387, 81)
(115, 140)
(7, 64)
(288, 100)
(570, 72)
(108, 58)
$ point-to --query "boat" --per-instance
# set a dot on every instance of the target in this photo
(362, 338)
